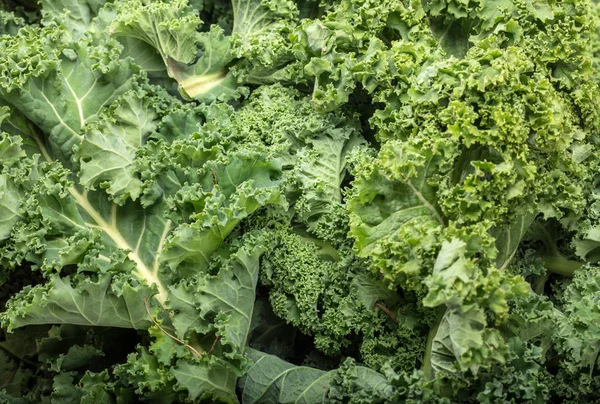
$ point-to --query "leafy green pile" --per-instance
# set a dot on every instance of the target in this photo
(277, 201)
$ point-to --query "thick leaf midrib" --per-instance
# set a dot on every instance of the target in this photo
(111, 230)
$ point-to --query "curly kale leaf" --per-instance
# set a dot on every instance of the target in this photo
(201, 61)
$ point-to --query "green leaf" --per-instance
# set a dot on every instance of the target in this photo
(10, 202)
(91, 388)
(394, 218)
(206, 380)
(245, 182)
(199, 57)
(453, 35)
(66, 90)
(197, 61)
(151, 381)
(251, 17)
(13, 377)
(269, 333)
(208, 79)
(10, 22)
(76, 357)
(222, 303)
(109, 147)
(272, 380)
(322, 167)
(508, 238)
(170, 27)
(464, 342)
(85, 228)
(231, 292)
(450, 271)
(76, 15)
(576, 326)
(81, 301)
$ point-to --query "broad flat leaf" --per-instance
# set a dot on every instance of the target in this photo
(270, 380)
(84, 303)
(207, 379)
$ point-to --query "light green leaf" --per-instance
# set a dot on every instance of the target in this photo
(197, 61)
(252, 17)
(109, 147)
(68, 89)
(208, 79)
(508, 238)
(170, 27)
(76, 15)
(10, 201)
(245, 183)
(394, 218)
(207, 380)
(271, 380)
(10, 22)
(228, 298)
(322, 167)
(464, 342)
(451, 268)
